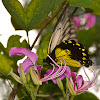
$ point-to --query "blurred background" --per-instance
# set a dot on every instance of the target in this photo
(6, 30)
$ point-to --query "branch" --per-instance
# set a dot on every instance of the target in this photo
(13, 94)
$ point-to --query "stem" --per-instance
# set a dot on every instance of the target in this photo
(42, 95)
(30, 92)
(67, 92)
(67, 96)
(48, 21)
(72, 97)
(28, 39)
(36, 90)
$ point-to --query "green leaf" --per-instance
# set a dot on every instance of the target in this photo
(37, 11)
(5, 64)
(35, 14)
(42, 52)
(15, 25)
(14, 41)
(46, 37)
(88, 37)
(16, 10)
(43, 47)
(97, 33)
(86, 96)
(5, 61)
(95, 7)
(80, 3)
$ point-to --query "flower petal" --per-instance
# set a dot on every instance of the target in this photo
(39, 67)
(83, 88)
(90, 20)
(23, 51)
(77, 22)
(68, 72)
(79, 81)
(26, 65)
(61, 73)
(73, 74)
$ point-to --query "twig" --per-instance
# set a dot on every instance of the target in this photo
(47, 22)
(13, 94)
(28, 39)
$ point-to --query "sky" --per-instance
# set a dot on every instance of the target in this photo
(6, 30)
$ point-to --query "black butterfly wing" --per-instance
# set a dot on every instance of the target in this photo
(64, 30)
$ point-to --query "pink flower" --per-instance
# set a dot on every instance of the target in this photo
(77, 22)
(90, 20)
(78, 84)
(52, 74)
(66, 73)
(29, 62)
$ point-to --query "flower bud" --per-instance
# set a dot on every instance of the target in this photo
(22, 74)
(70, 87)
(16, 77)
(60, 84)
(34, 77)
(28, 77)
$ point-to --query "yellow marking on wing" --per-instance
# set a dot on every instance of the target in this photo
(69, 41)
(83, 49)
(77, 44)
(71, 62)
(64, 57)
(64, 42)
(83, 61)
(84, 58)
(84, 54)
(73, 44)
(79, 48)
(68, 51)
(62, 53)
(57, 51)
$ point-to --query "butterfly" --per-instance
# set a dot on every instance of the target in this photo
(64, 43)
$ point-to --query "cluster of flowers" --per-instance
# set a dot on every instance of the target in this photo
(75, 81)
(89, 20)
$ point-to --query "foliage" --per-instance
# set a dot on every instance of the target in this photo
(7, 63)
